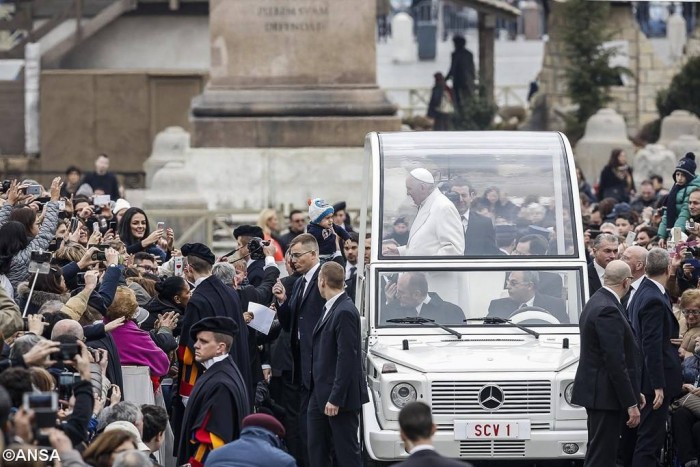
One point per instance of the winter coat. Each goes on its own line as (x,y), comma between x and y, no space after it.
(257,447)
(682,197)
(20,262)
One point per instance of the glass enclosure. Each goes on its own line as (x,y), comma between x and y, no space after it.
(472,194)
(536,296)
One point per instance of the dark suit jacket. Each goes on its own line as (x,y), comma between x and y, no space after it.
(256,272)
(505,307)
(480,238)
(654,325)
(299,316)
(593,280)
(437,309)
(608,374)
(336,371)
(351,286)
(431,458)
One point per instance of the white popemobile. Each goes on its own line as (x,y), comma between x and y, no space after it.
(488,339)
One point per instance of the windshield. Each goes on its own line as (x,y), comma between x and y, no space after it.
(473,194)
(534,296)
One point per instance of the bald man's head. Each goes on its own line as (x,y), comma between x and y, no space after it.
(67,327)
(636,258)
(616,272)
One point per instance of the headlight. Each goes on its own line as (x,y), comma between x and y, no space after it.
(567,394)
(402,394)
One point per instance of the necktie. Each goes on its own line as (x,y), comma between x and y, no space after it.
(325,312)
(302,289)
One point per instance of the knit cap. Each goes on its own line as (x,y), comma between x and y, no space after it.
(318,209)
(686,165)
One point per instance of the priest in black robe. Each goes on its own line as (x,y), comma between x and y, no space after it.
(219,400)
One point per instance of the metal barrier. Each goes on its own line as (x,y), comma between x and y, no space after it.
(414,101)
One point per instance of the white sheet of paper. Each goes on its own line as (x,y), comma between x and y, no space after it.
(262,317)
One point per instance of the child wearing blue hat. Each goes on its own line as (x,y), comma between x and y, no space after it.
(323,229)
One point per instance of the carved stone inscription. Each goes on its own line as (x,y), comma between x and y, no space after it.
(292,42)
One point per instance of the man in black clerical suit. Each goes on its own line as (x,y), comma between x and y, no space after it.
(409,297)
(523,292)
(255,267)
(607,381)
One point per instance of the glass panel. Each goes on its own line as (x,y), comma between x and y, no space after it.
(533,296)
(472,194)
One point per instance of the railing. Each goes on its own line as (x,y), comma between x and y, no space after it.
(414,101)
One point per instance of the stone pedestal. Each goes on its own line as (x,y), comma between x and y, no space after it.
(291,74)
(402,43)
(654,159)
(685,144)
(169,145)
(679,123)
(605,131)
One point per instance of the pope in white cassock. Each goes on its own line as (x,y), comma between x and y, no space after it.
(437,228)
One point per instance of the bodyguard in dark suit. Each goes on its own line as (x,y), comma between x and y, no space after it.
(338,388)
(522,290)
(299,315)
(350,249)
(655,325)
(409,297)
(604,251)
(607,378)
(417,430)
(479,233)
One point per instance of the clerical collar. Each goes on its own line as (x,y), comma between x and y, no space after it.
(213,360)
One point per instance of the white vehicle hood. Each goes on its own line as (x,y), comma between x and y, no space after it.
(437,356)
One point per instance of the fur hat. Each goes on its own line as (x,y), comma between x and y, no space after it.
(687,166)
(318,209)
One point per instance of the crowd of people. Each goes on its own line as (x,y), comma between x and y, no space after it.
(90,288)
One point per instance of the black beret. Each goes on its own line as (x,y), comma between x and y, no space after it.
(198,250)
(248,231)
(340,206)
(218,324)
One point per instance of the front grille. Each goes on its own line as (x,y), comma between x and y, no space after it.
(520,397)
(491,448)
(534,426)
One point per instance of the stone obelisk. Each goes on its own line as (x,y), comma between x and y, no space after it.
(291,73)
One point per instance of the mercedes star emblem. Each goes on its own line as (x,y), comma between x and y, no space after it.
(491,397)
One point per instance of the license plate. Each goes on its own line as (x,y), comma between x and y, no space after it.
(492,429)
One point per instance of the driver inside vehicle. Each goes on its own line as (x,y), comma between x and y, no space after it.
(409,297)
(523,296)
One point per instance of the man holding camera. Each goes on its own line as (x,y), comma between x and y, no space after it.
(252,253)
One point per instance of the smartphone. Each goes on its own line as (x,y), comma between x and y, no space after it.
(61,205)
(40,400)
(34,190)
(95,226)
(113,226)
(629,240)
(74,224)
(179,266)
(690,225)
(80,278)
(161,225)
(102,200)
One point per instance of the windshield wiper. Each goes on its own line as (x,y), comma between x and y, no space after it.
(419,320)
(497,320)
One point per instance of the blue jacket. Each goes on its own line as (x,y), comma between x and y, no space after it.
(257,447)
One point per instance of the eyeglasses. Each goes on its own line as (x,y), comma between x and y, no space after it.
(691,312)
(299,255)
(514,283)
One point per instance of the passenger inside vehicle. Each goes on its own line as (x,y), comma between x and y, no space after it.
(524,296)
(409,297)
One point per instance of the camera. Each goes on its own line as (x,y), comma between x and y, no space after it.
(80,278)
(6,184)
(66,352)
(66,381)
(55,244)
(99,256)
(255,248)
(34,190)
